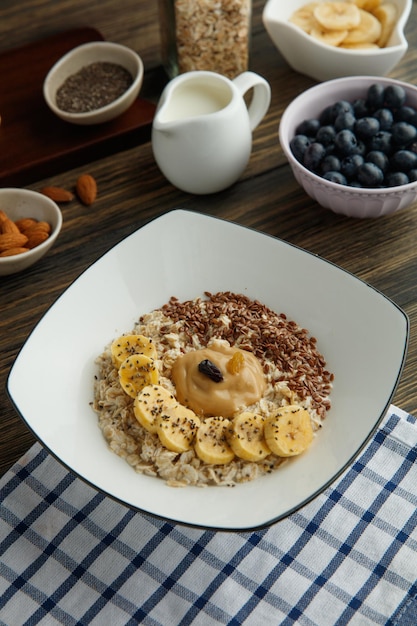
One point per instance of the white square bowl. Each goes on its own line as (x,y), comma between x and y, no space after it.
(362,334)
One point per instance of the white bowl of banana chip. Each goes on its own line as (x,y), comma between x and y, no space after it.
(331,39)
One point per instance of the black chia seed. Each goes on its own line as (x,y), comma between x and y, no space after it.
(92,87)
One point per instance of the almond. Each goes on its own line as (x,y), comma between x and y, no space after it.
(58,194)
(86,188)
(13,251)
(45,226)
(36,237)
(25,224)
(3,217)
(8,226)
(12,240)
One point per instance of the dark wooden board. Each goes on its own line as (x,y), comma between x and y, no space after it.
(34,143)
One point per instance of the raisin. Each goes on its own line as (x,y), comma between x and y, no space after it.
(208,368)
(235,364)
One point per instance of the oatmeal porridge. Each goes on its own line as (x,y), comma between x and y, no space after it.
(217,390)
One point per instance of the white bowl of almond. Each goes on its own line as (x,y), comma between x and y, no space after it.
(331,39)
(29,226)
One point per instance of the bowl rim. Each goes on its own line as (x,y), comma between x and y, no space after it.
(30,193)
(78,50)
(319,180)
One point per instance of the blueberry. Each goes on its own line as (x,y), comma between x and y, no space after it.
(313,156)
(413,146)
(360,148)
(385,118)
(412,176)
(344,120)
(346,142)
(326,116)
(308,127)
(406,114)
(404,160)
(366,127)
(335,177)
(403,133)
(369,175)
(394,96)
(330,163)
(341,106)
(395,179)
(330,149)
(375,97)
(326,135)
(350,164)
(381,141)
(378,158)
(360,108)
(298,145)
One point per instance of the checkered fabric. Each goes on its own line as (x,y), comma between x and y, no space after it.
(69,555)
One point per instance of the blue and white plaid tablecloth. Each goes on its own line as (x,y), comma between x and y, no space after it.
(69,555)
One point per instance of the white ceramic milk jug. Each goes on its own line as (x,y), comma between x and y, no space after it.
(202,129)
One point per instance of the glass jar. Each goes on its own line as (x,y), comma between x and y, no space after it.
(209,35)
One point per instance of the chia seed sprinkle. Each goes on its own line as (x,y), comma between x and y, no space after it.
(93,87)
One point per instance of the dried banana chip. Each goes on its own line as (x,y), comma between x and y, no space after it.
(359,46)
(304,17)
(349,24)
(386,13)
(366,5)
(368,31)
(329,37)
(337,15)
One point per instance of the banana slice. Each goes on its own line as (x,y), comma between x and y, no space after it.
(289,431)
(136,372)
(359,46)
(177,427)
(246,437)
(329,37)
(304,17)
(337,15)
(151,402)
(368,31)
(211,443)
(126,345)
(366,5)
(386,13)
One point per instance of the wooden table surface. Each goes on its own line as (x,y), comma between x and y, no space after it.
(132,190)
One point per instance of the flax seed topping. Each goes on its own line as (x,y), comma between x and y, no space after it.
(250,325)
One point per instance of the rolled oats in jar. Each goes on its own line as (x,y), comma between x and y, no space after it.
(209,35)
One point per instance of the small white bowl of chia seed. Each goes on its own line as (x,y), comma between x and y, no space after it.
(94,83)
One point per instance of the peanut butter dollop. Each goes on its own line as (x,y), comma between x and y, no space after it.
(206,397)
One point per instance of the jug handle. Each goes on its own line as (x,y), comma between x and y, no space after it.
(261,98)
